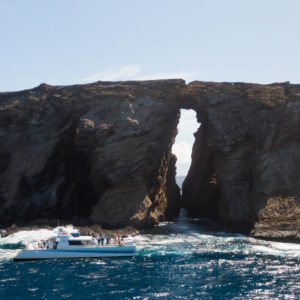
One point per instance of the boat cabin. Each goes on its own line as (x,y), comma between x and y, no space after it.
(69,237)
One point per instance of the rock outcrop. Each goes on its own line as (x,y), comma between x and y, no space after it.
(245,160)
(102,153)
(99,152)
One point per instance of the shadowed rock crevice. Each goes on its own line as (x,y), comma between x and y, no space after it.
(201,189)
(173,191)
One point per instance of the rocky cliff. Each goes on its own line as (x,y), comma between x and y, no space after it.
(246,157)
(99,152)
(102,153)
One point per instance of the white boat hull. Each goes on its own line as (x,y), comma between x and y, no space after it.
(93,252)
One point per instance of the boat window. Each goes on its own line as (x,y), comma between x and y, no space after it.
(75,234)
(75,242)
(90,242)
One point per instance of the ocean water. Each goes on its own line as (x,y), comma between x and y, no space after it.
(179,260)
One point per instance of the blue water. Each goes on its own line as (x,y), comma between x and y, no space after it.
(181,260)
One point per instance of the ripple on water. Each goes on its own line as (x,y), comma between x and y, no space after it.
(183,260)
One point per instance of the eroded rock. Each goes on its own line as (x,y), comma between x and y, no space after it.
(246,153)
(99,152)
(102,153)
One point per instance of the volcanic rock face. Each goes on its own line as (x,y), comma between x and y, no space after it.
(100,152)
(245,161)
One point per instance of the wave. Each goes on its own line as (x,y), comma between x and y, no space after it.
(12,244)
(184,237)
(188,238)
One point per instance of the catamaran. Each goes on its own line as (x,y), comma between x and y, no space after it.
(68,243)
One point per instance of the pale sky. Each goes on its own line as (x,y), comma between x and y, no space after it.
(76,41)
(184,140)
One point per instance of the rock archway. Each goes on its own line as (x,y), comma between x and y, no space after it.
(101,152)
